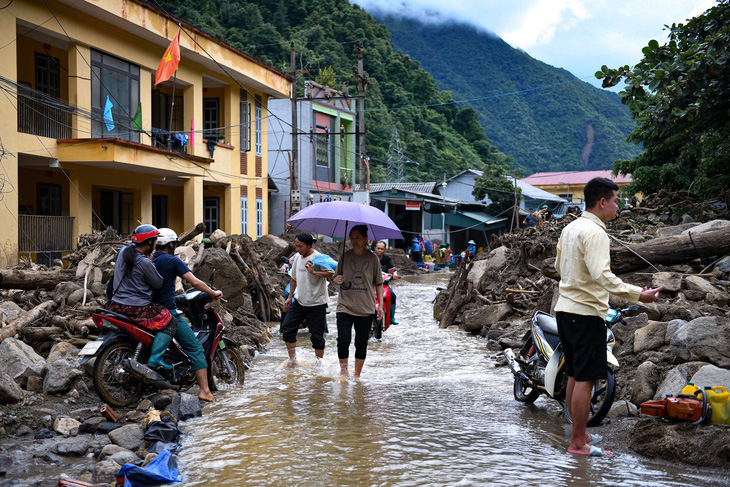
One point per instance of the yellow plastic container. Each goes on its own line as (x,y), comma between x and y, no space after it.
(719,399)
(690,389)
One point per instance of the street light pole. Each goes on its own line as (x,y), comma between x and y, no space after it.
(443,213)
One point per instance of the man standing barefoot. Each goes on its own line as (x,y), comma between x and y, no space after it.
(584,264)
(311,302)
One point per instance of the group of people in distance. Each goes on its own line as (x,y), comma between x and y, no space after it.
(359,276)
(540,218)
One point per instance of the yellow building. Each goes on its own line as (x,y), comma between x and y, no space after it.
(67,167)
(569,184)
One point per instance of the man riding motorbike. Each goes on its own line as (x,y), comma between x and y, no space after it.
(170,268)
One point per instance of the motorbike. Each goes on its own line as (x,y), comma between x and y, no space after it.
(381,325)
(539,366)
(122,349)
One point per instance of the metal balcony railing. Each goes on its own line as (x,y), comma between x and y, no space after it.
(39,234)
(45,117)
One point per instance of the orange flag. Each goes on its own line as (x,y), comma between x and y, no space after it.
(169,62)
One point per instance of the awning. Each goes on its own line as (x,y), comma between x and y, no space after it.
(476,220)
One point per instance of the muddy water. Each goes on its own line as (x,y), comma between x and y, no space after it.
(430,409)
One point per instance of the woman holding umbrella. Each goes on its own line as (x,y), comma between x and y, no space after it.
(360,279)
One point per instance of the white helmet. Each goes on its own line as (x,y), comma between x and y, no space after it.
(166,236)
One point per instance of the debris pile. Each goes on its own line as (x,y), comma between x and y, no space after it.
(671,240)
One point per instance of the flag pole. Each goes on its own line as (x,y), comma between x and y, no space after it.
(172,110)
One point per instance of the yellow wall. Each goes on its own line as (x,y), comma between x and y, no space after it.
(31,177)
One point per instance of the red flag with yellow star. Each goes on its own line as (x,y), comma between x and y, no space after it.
(169,62)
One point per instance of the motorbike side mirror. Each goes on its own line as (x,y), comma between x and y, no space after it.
(632,308)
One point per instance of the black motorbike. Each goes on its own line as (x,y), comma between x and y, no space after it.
(120,375)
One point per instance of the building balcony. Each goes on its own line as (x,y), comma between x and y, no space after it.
(44,116)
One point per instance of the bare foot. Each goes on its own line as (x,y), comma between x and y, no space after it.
(343,371)
(291,363)
(206,396)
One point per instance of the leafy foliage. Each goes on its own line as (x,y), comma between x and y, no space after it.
(439,136)
(543,129)
(679,95)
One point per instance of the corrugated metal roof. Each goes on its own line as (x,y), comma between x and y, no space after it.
(414,187)
(572,177)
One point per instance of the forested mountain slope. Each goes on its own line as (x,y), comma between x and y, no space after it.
(544,129)
(442,138)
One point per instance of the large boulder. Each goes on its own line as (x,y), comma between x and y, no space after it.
(9,311)
(706,339)
(697,283)
(677,378)
(228,277)
(476,273)
(273,248)
(61,375)
(650,337)
(130,436)
(646,380)
(62,350)
(20,361)
(709,375)
(708,226)
(77,297)
(670,281)
(63,290)
(673,230)
(10,392)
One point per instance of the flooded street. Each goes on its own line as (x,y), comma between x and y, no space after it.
(430,409)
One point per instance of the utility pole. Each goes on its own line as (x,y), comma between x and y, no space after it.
(361,82)
(294,195)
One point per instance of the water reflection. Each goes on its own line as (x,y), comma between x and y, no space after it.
(430,409)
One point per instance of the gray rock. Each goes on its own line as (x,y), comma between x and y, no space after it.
(107,427)
(217,235)
(650,337)
(10,391)
(645,383)
(34,384)
(186,253)
(497,259)
(110,450)
(23,430)
(653,310)
(708,226)
(61,376)
(91,425)
(723,264)
(20,361)
(676,379)
(62,350)
(669,280)
(709,375)
(484,317)
(105,472)
(126,456)
(672,328)
(130,436)
(477,272)
(43,434)
(189,406)
(622,408)
(706,339)
(63,290)
(72,447)
(625,332)
(698,283)
(9,311)
(670,231)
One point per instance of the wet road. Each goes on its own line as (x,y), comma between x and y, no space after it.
(429,409)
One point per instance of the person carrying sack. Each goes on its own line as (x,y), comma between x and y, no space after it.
(135,279)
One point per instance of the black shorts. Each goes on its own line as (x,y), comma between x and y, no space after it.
(584,343)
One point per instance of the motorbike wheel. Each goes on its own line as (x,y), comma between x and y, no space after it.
(113,383)
(228,369)
(604,392)
(523,392)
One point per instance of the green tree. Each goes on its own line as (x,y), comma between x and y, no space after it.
(679,95)
(497,184)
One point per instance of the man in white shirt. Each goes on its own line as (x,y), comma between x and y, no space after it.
(310,284)
(584,264)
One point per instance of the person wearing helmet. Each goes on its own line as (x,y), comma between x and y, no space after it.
(135,279)
(471,250)
(170,268)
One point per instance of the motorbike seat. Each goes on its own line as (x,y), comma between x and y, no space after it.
(548,323)
(116,316)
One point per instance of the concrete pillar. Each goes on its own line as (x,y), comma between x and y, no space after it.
(145,203)
(79,201)
(231,218)
(79,88)
(193,202)
(193,112)
(9,162)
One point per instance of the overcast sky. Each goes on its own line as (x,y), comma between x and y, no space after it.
(578,35)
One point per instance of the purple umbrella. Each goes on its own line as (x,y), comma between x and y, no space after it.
(336,218)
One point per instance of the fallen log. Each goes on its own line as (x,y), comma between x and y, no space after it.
(456,298)
(29,280)
(27,319)
(191,234)
(41,333)
(79,327)
(676,249)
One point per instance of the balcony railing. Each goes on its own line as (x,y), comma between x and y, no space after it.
(44,116)
(38,234)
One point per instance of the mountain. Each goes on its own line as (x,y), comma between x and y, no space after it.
(542,116)
(440,136)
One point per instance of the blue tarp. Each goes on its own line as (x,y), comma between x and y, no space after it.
(162,470)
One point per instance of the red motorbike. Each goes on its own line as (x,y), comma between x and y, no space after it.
(120,375)
(380,325)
